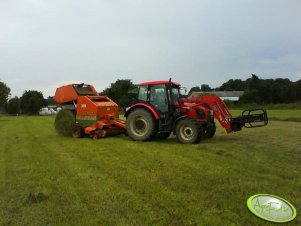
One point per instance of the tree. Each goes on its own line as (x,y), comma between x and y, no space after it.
(233,85)
(195,89)
(118,92)
(253,82)
(297,86)
(13,106)
(205,88)
(4,94)
(50,100)
(249,96)
(257,91)
(32,101)
(279,92)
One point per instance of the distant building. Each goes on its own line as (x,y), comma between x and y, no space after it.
(224,95)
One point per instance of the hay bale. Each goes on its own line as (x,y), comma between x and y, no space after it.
(64,121)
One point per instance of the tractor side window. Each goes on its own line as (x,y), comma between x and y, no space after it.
(142,95)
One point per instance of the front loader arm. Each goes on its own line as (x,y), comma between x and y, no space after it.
(250,118)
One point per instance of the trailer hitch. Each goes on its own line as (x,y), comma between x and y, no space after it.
(249,119)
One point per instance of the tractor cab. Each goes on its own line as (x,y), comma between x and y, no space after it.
(158,112)
(161,95)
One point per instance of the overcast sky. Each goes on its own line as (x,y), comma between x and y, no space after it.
(48,43)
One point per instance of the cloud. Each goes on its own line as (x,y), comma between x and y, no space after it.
(45,43)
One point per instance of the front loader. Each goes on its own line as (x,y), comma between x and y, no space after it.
(249,118)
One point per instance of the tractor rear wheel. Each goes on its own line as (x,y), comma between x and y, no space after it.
(64,122)
(140,125)
(188,131)
(77,131)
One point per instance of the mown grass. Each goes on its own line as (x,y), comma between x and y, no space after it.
(51,180)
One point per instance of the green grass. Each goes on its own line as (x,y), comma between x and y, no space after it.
(51,180)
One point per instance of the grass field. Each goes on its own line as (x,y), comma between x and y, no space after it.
(50,180)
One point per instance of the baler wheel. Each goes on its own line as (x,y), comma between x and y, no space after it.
(64,122)
(94,135)
(77,131)
(188,131)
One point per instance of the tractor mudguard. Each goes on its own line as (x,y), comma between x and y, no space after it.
(143,105)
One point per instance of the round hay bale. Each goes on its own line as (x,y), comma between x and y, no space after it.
(64,121)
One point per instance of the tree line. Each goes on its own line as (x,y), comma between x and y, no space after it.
(29,103)
(256,90)
(260,91)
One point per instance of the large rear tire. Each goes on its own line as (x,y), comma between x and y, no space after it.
(64,122)
(188,131)
(140,125)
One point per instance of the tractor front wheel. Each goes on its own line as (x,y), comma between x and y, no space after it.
(188,131)
(140,125)
(210,131)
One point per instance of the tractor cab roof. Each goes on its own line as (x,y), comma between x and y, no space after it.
(159,82)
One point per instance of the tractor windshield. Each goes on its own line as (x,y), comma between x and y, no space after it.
(142,93)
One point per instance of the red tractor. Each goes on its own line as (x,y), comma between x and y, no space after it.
(159,111)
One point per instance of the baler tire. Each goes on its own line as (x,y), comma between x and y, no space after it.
(188,131)
(140,125)
(77,131)
(64,122)
(210,131)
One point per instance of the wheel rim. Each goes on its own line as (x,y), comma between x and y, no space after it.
(140,126)
(186,132)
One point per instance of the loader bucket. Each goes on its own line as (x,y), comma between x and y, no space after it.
(255,118)
(249,119)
